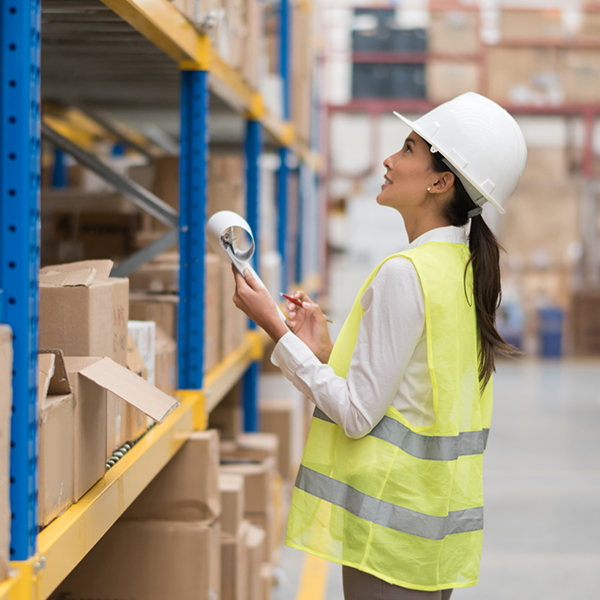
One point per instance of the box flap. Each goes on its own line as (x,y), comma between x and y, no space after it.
(135,363)
(82,277)
(102,268)
(45,372)
(131,388)
(59,381)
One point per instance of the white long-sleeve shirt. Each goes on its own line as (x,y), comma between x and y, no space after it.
(389,362)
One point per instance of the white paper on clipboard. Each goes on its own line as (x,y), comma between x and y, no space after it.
(219,231)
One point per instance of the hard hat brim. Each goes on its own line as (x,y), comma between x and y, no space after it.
(415,127)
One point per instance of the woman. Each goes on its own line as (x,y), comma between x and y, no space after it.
(390,484)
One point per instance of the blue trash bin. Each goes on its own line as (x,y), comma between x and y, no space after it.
(550,331)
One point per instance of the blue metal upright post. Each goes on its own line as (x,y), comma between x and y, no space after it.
(282,214)
(282,173)
(60,172)
(300,229)
(284,55)
(192,221)
(252,148)
(19,250)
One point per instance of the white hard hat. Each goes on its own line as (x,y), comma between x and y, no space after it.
(480,142)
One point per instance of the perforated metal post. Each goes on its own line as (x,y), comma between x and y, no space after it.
(19,250)
(282,215)
(252,149)
(301,231)
(192,244)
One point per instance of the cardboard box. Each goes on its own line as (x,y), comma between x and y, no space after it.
(226,167)
(56,438)
(234,565)
(234,323)
(255,542)
(166,362)
(454,32)
(6,363)
(258,445)
(135,362)
(212,312)
(277,417)
(117,423)
(553,206)
(446,80)
(166,179)
(89,423)
(266,521)
(158,278)
(162,559)
(515,24)
(160,308)
(143,334)
(525,76)
(227,415)
(258,478)
(231,489)
(580,72)
(187,489)
(84,311)
(131,388)
(226,195)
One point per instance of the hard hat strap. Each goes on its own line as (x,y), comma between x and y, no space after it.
(475,212)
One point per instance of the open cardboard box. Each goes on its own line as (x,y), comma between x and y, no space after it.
(56,437)
(75,443)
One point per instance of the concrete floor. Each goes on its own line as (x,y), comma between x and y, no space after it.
(541,482)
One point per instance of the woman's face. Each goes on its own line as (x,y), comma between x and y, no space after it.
(408,175)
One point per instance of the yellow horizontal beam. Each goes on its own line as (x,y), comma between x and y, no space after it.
(226,374)
(67,540)
(165,26)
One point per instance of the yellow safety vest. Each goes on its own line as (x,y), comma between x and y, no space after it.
(405,503)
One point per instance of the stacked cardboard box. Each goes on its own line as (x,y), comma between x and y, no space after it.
(160,308)
(531,24)
(254,457)
(166,362)
(171,532)
(525,76)
(84,312)
(234,533)
(277,418)
(227,415)
(72,396)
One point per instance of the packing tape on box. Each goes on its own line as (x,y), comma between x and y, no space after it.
(220,234)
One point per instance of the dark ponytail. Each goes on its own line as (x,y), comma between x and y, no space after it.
(485,258)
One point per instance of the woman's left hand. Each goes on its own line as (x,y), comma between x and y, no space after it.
(254,300)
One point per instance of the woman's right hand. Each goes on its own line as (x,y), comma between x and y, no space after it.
(310,325)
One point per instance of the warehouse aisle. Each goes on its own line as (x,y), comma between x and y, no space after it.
(542,480)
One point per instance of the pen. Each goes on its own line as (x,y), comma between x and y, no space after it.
(298,303)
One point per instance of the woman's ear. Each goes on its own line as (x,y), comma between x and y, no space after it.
(444,183)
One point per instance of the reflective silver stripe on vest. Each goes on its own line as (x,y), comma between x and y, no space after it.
(385,513)
(425,446)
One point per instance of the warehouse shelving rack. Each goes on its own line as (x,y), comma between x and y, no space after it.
(41,561)
(375,107)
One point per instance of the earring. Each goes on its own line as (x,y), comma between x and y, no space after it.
(429,189)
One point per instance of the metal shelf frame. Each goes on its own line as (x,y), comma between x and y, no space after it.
(41,561)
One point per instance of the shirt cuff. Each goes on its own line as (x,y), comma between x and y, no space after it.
(290,353)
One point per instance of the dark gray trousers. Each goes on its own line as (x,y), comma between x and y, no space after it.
(364,586)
